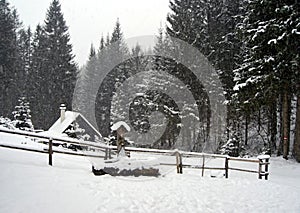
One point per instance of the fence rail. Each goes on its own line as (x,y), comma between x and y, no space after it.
(108,150)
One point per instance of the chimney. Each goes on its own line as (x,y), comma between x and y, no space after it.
(62,112)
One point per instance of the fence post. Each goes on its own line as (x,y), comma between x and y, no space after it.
(50,151)
(259,169)
(179,162)
(267,169)
(203,163)
(226,167)
(263,160)
(106,154)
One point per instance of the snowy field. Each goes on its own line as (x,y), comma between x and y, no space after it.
(28,184)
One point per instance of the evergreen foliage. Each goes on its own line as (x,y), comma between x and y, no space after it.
(188,22)
(22,117)
(54,67)
(253,45)
(264,80)
(92,52)
(24,59)
(9,72)
(6,123)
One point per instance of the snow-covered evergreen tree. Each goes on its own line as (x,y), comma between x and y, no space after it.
(159,44)
(22,117)
(9,72)
(271,32)
(6,123)
(118,49)
(115,52)
(37,84)
(188,22)
(53,66)
(62,70)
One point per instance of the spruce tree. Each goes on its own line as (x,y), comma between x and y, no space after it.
(37,92)
(271,59)
(192,22)
(159,44)
(9,73)
(107,41)
(92,52)
(224,53)
(188,22)
(119,48)
(24,59)
(102,44)
(22,117)
(57,67)
(115,52)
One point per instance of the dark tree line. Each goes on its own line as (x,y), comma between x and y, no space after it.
(254,46)
(38,65)
(112,105)
(9,70)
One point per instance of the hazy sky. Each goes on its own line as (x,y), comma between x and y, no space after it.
(89,19)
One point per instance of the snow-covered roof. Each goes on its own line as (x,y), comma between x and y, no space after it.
(60,127)
(119,124)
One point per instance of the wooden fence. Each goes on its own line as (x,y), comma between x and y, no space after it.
(107,151)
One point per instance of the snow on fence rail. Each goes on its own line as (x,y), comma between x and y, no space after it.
(108,150)
(50,140)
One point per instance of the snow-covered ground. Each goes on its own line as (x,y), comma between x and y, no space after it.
(28,184)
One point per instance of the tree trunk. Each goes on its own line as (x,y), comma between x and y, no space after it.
(296,148)
(280,146)
(246,129)
(273,126)
(259,121)
(285,124)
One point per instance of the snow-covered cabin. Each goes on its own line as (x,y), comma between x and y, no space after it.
(75,125)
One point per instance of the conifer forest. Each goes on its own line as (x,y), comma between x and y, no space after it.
(253,45)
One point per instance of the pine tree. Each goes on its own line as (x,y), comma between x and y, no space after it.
(92,52)
(22,117)
(159,44)
(102,44)
(161,48)
(56,65)
(9,73)
(191,21)
(116,51)
(137,51)
(37,92)
(24,61)
(107,42)
(271,59)
(224,47)
(188,22)
(119,48)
